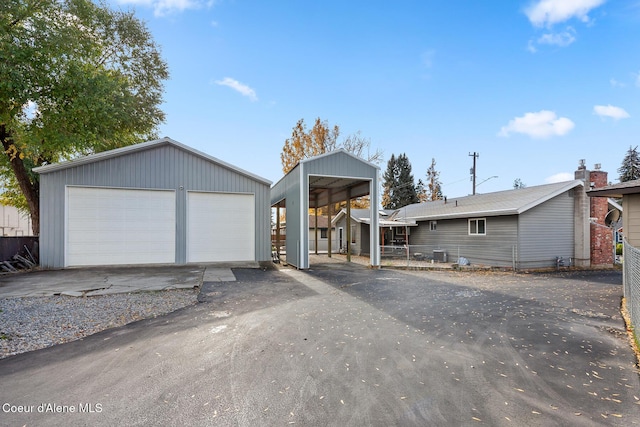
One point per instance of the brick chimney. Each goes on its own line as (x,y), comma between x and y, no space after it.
(601,235)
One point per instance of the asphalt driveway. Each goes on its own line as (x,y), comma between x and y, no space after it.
(344,345)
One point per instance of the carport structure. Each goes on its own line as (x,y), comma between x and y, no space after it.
(323,181)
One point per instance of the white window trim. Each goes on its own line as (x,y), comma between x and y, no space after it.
(476,220)
(433,225)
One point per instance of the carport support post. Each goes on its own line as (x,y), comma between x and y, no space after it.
(278,230)
(329,225)
(349,224)
(316,222)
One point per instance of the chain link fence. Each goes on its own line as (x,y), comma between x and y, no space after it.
(631,281)
(501,256)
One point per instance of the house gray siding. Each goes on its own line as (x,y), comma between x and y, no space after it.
(166,167)
(546,232)
(361,246)
(452,235)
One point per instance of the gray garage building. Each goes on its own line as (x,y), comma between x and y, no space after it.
(158,202)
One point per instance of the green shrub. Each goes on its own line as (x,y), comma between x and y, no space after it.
(619,249)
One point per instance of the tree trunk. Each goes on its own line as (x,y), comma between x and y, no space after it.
(31,190)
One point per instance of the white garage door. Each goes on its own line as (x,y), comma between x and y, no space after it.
(220,227)
(108,226)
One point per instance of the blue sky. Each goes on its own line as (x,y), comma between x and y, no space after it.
(532,86)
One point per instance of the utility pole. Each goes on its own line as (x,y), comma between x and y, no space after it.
(473,170)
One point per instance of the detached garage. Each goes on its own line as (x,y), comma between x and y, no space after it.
(159,202)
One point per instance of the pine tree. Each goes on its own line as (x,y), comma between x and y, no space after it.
(406,188)
(630,169)
(389,183)
(421,191)
(517,183)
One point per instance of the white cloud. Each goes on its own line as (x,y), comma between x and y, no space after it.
(616,83)
(559,177)
(166,7)
(542,124)
(243,89)
(615,113)
(549,12)
(564,38)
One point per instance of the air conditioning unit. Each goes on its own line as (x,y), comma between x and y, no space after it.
(439,255)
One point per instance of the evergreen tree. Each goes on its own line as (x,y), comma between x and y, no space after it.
(517,183)
(421,191)
(399,188)
(389,183)
(630,169)
(406,189)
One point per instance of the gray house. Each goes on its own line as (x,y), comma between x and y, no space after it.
(159,202)
(522,228)
(322,181)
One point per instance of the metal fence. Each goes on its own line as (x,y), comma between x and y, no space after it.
(631,281)
(502,256)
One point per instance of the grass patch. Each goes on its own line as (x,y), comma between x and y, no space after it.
(633,337)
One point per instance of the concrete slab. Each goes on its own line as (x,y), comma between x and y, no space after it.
(103,280)
(218,274)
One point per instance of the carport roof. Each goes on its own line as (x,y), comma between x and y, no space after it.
(141,147)
(319,185)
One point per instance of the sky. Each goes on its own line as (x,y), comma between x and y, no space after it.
(532,87)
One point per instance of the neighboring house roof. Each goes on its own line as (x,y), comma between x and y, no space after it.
(323,221)
(508,202)
(617,190)
(140,147)
(363,216)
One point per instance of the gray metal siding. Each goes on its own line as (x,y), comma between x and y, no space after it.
(161,167)
(495,248)
(288,188)
(545,232)
(340,164)
(294,186)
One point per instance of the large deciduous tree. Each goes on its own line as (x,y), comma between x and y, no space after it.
(75,78)
(630,168)
(320,139)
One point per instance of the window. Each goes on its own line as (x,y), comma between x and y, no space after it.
(323,233)
(478,226)
(399,231)
(353,233)
(433,225)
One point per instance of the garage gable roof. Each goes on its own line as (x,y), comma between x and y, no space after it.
(508,202)
(141,147)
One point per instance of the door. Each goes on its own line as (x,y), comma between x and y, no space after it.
(115,226)
(220,227)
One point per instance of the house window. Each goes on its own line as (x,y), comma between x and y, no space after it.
(353,233)
(478,226)
(399,231)
(433,225)
(323,233)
